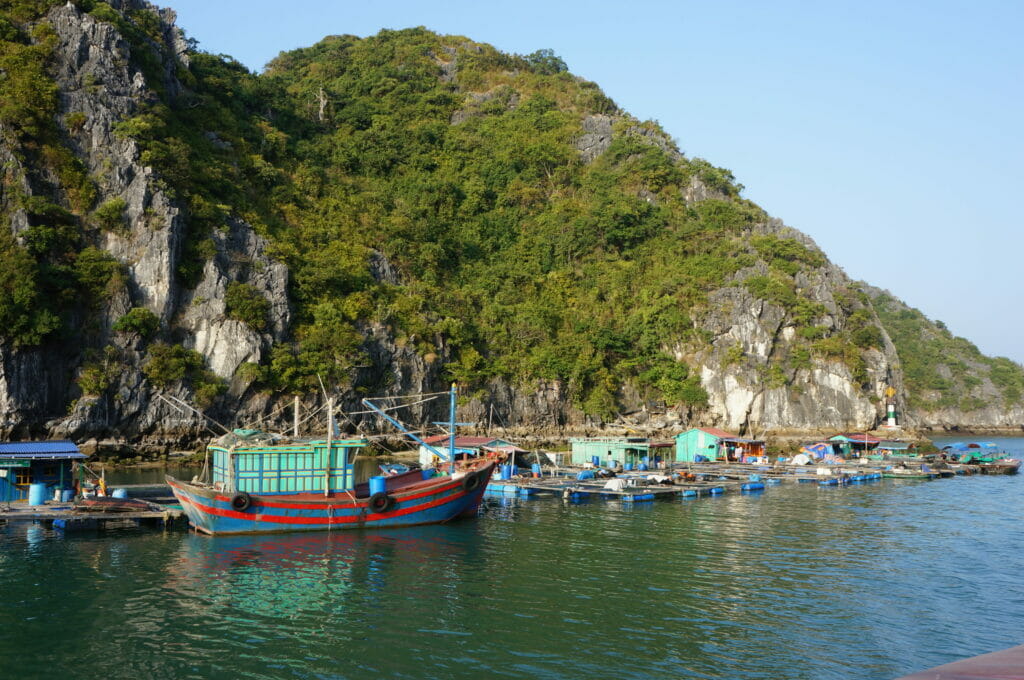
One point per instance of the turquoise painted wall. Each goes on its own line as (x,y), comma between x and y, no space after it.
(619,450)
(46,471)
(693,442)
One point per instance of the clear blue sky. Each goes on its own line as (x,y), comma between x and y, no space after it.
(890,132)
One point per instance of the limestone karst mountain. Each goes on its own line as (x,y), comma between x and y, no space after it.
(391,213)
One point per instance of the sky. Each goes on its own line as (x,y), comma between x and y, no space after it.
(890,132)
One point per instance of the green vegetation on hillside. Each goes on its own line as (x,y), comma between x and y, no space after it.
(942,370)
(452,160)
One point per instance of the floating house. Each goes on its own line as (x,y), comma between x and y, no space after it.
(621,450)
(36,468)
(466,447)
(854,444)
(894,448)
(715,444)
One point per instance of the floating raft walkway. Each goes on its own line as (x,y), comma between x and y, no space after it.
(635,488)
(64,516)
(698,480)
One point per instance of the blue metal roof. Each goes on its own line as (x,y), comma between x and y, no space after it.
(51,449)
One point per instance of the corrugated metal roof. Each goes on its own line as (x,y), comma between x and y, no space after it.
(894,445)
(716,432)
(49,449)
(858,437)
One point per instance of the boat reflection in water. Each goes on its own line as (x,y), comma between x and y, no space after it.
(290,575)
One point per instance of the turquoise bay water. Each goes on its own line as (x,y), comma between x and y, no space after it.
(866,582)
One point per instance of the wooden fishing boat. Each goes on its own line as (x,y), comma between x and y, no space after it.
(264,483)
(986,456)
(1000,466)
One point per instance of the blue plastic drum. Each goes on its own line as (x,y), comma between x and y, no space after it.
(37,494)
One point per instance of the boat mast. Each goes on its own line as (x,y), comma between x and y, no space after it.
(330,450)
(451,428)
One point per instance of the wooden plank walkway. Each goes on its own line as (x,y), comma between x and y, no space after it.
(636,489)
(64,515)
(691,480)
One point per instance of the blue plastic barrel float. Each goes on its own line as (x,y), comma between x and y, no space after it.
(428,473)
(690,493)
(642,467)
(595,461)
(752,486)
(37,494)
(627,467)
(67,495)
(716,490)
(123,493)
(378,484)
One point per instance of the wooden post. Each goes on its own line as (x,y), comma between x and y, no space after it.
(330,445)
(295,418)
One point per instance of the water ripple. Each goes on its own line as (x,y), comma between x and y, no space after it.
(799,582)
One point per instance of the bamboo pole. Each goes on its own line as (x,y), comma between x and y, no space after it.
(330,447)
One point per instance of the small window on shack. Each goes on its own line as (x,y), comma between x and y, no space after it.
(24,476)
(50,470)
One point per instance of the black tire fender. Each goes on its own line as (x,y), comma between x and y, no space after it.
(241,501)
(381,502)
(470,482)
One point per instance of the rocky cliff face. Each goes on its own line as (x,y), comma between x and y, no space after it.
(751,359)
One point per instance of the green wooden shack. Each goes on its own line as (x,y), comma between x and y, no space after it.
(621,450)
(854,444)
(715,444)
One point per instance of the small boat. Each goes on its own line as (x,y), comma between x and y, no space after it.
(111,504)
(986,456)
(902,471)
(263,483)
(1000,466)
(392,469)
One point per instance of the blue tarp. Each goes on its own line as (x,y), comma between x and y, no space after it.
(818,450)
(969,446)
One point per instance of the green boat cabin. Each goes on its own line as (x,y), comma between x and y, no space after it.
(267,464)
